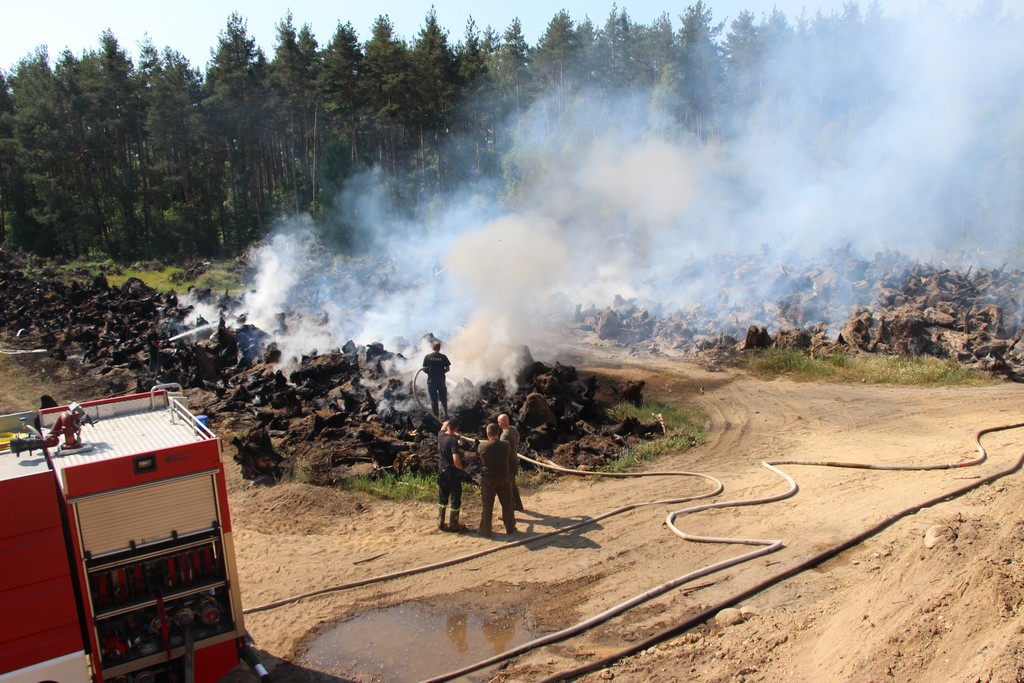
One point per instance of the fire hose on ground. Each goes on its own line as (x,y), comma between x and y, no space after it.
(416,395)
(763,547)
(767,546)
(718,488)
(811,562)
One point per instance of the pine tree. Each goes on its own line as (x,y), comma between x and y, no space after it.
(433,73)
(701,69)
(513,73)
(555,59)
(294,74)
(8,169)
(477,102)
(44,215)
(385,81)
(236,92)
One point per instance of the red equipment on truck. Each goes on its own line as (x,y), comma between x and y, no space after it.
(118,559)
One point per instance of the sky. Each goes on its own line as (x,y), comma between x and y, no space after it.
(192,28)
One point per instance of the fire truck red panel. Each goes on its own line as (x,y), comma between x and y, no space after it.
(29,500)
(37,601)
(82,479)
(34,558)
(38,627)
(141,510)
(213,663)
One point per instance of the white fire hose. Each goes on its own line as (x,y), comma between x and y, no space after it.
(763,547)
(718,488)
(815,560)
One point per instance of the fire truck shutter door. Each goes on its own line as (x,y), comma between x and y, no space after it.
(146,515)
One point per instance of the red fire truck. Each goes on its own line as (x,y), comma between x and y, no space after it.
(116,557)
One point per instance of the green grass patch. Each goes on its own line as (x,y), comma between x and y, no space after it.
(862,368)
(684,427)
(407,486)
(218,276)
(79,270)
(165,279)
(648,450)
(675,417)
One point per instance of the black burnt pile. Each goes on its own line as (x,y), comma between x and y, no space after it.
(355,411)
(888,305)
(329,416)
(104,328)
(101,326)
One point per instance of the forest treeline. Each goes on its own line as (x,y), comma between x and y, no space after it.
(162,159)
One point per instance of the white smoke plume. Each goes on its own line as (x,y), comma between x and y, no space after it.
(619,205)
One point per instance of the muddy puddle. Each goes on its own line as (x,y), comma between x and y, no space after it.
(412,642)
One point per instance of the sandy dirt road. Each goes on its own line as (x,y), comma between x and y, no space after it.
(888,609)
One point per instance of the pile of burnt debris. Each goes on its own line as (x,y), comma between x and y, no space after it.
(356,410)
(331,415)
(351,411)
(888,305)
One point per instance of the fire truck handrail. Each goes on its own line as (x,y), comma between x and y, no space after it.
(158,387)
(179,410)
(175,406)
(200,427)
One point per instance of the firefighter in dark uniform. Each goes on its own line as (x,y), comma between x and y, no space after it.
(494,470)
(511,434)
(436,365)
(449,475)
(153,349)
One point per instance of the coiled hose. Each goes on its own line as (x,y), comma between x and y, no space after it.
(811,562)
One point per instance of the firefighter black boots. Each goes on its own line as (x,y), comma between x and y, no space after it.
(440,518)
(454,524)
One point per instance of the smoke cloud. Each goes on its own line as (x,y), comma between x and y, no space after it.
(611,201)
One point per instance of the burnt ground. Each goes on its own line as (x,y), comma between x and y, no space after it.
(325,417)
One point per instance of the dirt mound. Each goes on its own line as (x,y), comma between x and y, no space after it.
(292,508)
